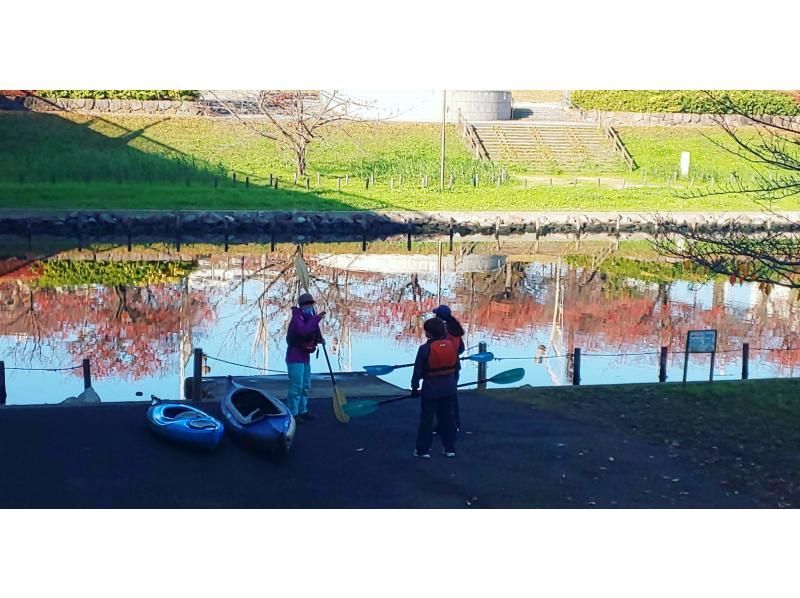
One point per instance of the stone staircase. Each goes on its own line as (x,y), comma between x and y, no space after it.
(550,147)
(549,137)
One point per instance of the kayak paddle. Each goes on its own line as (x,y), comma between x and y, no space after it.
(380,370)
(367,406)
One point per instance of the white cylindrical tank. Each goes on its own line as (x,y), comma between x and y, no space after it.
(426,105)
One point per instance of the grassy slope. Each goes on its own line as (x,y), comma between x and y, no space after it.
(143,162)
(745,434)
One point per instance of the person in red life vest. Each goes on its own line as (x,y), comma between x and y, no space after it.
(435,365)
(455,332)
(302,339)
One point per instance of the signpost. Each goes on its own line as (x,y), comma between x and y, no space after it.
(700,341)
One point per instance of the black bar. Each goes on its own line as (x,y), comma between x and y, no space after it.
(197,375)
(482,368)
(87,374)
(451,238)
(3,394)
(576,367)
(364,242)
(234,179)
(711,369)
(662,365)
(247,182)
(745,361)
(408,241)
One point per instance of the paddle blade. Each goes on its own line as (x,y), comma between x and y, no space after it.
(361,408)
(378,370)
(339,403)
(484,357)
(508,377)
(302,272)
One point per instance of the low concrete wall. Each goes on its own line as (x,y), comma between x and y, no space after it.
(673,119)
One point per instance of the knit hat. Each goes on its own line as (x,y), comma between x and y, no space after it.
(443,312)
(305,298)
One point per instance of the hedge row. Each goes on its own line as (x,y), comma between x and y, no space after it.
(691,101)
(121,94)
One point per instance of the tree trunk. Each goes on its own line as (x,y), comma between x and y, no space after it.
(300,159)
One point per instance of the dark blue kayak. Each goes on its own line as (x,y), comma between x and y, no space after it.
(184,424)
(257,419)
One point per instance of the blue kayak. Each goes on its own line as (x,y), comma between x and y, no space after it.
(258,419)
(184,424)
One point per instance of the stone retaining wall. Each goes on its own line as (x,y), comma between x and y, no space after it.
(670,119)
(91,106)
(301,226)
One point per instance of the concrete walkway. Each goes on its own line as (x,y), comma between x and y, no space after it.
(510,456)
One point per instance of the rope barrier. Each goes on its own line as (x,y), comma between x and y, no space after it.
(617,354)
(74,367)
(242,365)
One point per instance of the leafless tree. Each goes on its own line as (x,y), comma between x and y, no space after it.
(769,147)
(295,119)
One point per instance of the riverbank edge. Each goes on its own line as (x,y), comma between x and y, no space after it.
(377,223)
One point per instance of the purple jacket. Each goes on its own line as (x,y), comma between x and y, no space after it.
(301,326)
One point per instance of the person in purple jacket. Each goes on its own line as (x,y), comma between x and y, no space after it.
(302,339)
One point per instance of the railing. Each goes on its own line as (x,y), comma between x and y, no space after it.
(619,146)
(85,366)
(470,137)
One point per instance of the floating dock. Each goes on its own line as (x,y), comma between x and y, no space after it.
(352,384)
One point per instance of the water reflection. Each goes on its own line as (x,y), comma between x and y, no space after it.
(139,333)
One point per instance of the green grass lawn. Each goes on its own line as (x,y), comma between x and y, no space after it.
(745,434)
(73,161)
(505,198)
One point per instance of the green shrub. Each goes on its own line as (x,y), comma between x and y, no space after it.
(692,101)
(65,273)
(121,94)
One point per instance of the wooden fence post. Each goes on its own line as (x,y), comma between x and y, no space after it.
(482,369)
(87,374)
(197,375)
(745,361)
(3,394)
(662,365)
(576,367)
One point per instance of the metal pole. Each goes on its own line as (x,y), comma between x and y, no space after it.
(3,394)
(444,122)
(745,361)
(576,367)
(87,374)
(197,375)
(711,369)
(439,293)
(662,365)
(482,369)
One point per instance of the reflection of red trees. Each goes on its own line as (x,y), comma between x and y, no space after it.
(126,332)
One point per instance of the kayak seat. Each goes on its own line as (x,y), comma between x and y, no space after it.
(252,405)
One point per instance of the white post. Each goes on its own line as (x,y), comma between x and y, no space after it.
(685,164)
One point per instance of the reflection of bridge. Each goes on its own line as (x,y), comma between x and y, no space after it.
(412,264)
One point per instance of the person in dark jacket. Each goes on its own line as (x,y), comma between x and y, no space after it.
(455,332)
(435,365)
(302,339)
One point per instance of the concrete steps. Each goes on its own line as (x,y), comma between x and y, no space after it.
(549,145)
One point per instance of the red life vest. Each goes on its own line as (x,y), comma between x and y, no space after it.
(443,357)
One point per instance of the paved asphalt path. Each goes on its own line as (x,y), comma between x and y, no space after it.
(510,456)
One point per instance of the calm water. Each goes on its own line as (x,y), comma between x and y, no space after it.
(529,309)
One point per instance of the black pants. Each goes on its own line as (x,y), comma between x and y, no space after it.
(443,410)
(456,414)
